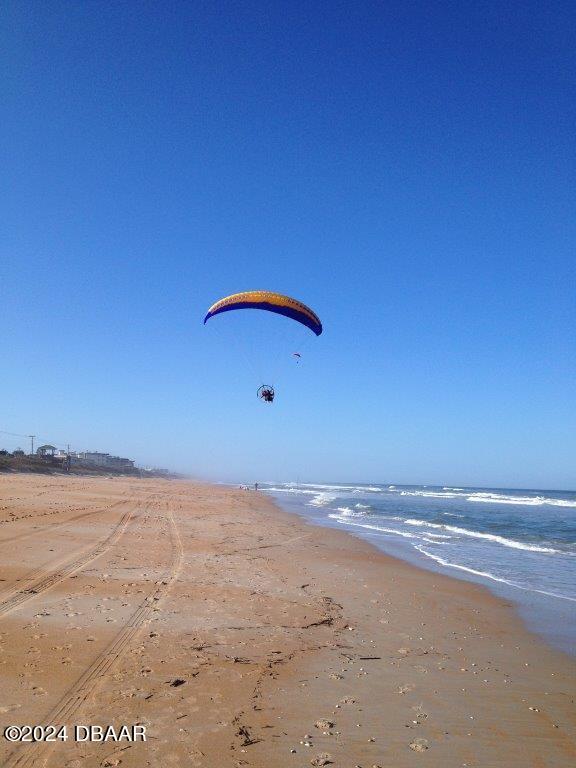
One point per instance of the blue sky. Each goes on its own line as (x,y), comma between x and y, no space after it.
(407,169)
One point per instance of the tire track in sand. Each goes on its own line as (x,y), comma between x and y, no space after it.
(30,754)
(41,579)
(54,526)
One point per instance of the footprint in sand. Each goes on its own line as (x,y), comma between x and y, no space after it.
(418,745)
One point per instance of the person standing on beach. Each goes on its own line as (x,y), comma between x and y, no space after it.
(255,486)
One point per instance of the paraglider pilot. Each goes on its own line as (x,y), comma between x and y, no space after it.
(266,393)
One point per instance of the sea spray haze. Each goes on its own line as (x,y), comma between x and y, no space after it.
(520,543)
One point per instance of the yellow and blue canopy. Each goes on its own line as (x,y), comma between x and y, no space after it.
(272,302)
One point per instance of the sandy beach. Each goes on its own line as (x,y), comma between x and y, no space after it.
(239,635)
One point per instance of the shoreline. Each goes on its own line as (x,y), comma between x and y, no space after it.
(550,616)
(259,633)
(528,612)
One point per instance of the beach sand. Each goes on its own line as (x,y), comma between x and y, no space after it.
(240,635)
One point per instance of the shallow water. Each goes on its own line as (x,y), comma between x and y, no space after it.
(520,543)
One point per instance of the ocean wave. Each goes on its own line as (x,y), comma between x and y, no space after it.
(488,575)
(404,534)
(291,490)
(329,487)
(489,537)
(526,501)
(341,488)
(488,497)
(432,494)
(347,512)
(321,499)
(362,506)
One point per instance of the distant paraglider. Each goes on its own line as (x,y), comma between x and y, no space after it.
(270,302)
(266,393)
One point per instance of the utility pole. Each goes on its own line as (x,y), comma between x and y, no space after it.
(32,444)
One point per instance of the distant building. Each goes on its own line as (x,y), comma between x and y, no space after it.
(101,460)
(94,457)
(46,450)
(117,462)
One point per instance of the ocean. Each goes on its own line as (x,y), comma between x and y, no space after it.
(519,543)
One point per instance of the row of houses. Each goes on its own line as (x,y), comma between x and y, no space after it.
(94,458)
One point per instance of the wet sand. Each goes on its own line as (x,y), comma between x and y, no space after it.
(239,635)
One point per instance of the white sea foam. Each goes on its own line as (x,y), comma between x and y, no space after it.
(342,488)
(488,536)
(321,499)
(432,494)
(347,512)
(362,506)
(527,501)
(329,487)
(404,534)
(291,490)
(491,498)
(488,575)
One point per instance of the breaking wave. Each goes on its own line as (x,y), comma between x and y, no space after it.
(489,537)
(487,575)
(491,498)
(371,527)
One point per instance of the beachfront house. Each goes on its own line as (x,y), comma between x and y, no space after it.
(46,450)
(95,458)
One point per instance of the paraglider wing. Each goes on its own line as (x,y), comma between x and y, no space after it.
(272,302)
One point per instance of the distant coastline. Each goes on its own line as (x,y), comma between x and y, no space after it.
(45,466)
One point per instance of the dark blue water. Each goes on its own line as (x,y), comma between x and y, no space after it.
(521,544)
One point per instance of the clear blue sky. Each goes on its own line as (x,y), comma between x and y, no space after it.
(405,168)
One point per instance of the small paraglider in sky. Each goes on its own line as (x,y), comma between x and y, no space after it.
(266,393)
(270,302)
